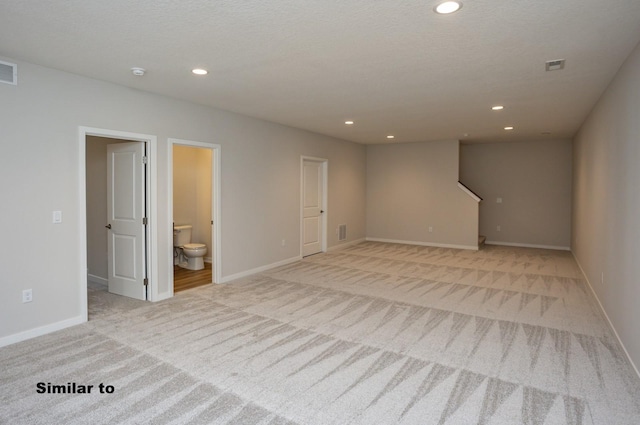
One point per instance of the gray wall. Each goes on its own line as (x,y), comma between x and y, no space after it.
(39,168)
(414,186)
(534,181)
(606,202)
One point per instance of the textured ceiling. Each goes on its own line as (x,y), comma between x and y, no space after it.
(392,66)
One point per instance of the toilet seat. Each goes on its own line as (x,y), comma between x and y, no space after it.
(194,246)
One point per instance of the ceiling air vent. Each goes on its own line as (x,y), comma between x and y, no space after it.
(555,65)
(8,73)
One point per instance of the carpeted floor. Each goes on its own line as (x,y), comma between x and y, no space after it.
(373,334)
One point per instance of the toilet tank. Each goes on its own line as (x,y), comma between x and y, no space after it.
(181,234)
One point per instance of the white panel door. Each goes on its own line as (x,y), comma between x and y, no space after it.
(312,207)
(125,213)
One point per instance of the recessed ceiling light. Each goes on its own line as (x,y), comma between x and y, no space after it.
(390,137)
(138,72)
(200,71)
(447,7)
(508,128)
(497,107)
(348,122)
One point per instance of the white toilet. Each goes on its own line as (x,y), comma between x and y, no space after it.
(190,255)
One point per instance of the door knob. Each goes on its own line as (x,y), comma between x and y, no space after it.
(108,226)
(321,211)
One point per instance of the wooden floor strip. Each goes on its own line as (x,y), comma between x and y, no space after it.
(184,279)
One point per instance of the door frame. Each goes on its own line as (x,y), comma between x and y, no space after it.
(325,200)
(151,190)
(216,210)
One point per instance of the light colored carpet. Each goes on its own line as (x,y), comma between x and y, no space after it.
(373,334)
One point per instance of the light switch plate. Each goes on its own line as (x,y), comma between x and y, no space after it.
(57,217)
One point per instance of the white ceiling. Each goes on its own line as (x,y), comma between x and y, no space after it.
(392,66)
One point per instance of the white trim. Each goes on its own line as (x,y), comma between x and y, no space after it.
(468,192)
(42,330)
(437,245)
(606,315)
(325,200)
(345,245)
(260,269)
(164,295)
(216,210)
(527,245)
(97,279)
(152,203)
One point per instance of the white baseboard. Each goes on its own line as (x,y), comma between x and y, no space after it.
(162,296)
(42,330)
(344,245)
(260,269)
(437,245)
(527,245)
(606,315)
(97,279)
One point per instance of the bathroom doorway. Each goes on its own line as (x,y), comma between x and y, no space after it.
(194,207)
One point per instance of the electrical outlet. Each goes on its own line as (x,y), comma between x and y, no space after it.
(27,296)
(498,228)
(430,229)
(284,242)
(498,200)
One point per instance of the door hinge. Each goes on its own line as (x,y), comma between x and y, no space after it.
(144,159)
(146,281)
(145,221)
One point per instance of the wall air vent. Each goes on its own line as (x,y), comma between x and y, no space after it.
(342,232)
(8,73)
(554,65)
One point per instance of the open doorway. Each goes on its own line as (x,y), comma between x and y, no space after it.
(116,215)
(194,203)
(96,259)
